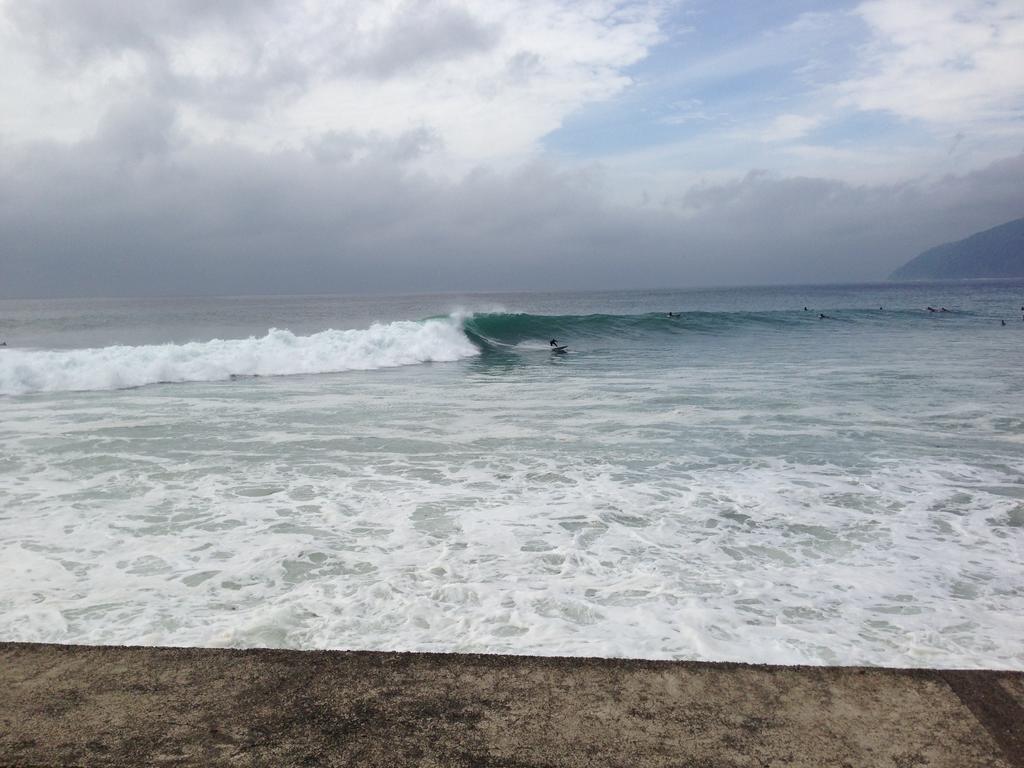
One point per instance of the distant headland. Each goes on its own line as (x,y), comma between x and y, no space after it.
(996,252)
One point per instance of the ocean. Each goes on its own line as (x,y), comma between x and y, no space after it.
(745,481)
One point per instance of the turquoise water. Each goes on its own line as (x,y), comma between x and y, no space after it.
(745,481)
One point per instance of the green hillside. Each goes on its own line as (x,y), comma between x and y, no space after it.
(996,252)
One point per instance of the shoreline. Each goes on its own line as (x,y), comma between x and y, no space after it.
(125,706)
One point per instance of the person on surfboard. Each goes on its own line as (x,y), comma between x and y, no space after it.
(553,342)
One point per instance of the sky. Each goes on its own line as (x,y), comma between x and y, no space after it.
(182,147)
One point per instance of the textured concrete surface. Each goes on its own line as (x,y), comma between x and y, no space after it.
(89,706)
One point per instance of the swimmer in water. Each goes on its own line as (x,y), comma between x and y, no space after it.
(823,316)
(932,309)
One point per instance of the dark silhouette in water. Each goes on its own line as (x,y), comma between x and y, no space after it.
(673,314)
(932,309)
(823,316)
(1003,322)
(943,310)
(553,343)
(805,308)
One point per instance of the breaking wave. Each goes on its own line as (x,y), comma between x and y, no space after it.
(279,353)
(438,339)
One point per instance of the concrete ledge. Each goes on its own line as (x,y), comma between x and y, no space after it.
(110,706)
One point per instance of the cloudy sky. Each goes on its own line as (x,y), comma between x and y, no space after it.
(347,146)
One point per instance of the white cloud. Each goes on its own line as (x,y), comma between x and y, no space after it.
(263,144)
(951,63)
(790,127)
(488,77)
(893,82)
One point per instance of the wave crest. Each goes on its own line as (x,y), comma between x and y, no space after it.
(279,353)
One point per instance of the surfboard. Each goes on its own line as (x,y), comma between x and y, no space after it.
(559,348)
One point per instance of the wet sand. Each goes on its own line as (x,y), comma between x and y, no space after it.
(112,706)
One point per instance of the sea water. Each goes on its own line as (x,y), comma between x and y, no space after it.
(746,481)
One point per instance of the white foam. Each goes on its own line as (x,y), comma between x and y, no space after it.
(278,353)
(330,517)
(740,509)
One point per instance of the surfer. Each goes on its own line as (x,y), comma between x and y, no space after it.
(1003,322)
(943,310)
(673,314)
(823,316)
(553,343)
(805,309)
(932,309)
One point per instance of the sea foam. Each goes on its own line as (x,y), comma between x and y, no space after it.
(279,353)
(751,486)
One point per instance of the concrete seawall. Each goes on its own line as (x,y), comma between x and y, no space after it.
(111,706)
